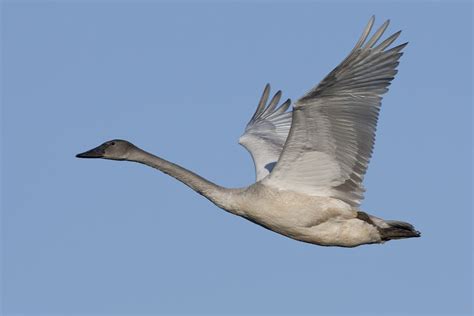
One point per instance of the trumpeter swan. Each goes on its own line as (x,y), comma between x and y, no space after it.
(309,162)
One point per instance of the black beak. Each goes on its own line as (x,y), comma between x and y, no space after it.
(97,152)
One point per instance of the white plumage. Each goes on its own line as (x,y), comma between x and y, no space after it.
(266,133)
(309,162)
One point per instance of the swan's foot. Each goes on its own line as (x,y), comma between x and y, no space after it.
(365,217)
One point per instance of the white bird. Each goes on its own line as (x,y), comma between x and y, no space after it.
(310,162)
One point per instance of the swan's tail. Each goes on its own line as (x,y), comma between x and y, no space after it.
(398,230)
(390,229)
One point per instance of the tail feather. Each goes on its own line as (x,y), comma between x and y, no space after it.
(390,229)
(399,224)
(398,230)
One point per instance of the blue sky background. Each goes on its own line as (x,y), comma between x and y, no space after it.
(181,80)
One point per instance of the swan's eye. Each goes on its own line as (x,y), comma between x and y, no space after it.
(112,143)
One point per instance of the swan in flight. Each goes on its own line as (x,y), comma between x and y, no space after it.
(309,162)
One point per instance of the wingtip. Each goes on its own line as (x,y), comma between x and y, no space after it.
(376,36)
(371,22)
(387,42)
(400,47)
(285,105)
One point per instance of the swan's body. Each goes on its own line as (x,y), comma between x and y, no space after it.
(310,162)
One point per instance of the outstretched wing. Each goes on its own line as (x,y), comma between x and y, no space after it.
(266,132)
(333,131)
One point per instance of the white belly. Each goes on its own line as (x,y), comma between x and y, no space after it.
(319,220)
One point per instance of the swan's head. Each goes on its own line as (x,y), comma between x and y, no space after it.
(116,149)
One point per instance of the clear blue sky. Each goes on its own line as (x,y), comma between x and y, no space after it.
(94,237)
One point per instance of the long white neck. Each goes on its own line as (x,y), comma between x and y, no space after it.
(223,197)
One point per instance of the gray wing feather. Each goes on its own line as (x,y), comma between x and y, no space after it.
(266,132)
(333,131)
